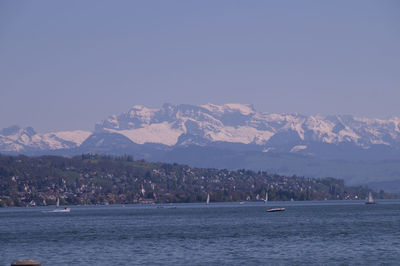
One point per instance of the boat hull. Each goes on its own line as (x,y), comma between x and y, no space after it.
(62,210)
(276,210)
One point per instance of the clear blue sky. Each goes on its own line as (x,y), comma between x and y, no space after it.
(67,64)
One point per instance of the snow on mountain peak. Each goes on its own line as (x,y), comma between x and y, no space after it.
(298,148)
(142,113)
(16,131)
(162,133)
(17,139)
(245,109)
(232,123)
(240,123)
(75,136)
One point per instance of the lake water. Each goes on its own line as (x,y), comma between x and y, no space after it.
(329,232)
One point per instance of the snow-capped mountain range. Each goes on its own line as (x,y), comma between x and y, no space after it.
(239,123)
(25,140)
(233,136)
(183,125)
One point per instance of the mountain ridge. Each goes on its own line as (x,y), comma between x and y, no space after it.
(235,131)
(237,123)
(242,124)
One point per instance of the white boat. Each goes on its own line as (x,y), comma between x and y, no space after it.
(59,209)
(62,210)
(370,199)
(276,210)
(208,199)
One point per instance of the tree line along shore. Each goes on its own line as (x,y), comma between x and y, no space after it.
(100,179)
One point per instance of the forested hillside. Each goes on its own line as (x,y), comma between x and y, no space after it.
(94,179)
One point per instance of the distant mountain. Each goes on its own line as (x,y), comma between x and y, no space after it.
(226,136)
(25,140)
(183,125)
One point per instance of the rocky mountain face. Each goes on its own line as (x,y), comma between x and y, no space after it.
(229,136)
(207,125)
(25,140)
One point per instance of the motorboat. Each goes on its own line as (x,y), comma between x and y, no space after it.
(276,210)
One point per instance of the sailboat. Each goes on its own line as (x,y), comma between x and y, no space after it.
(272,209)
(266,197)
(58,207)
(370,199)
(208,199)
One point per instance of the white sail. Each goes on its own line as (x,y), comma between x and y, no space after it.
(208,198)
(266,197)
(58,209)
(370,199)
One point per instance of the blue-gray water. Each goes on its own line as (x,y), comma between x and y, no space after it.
(338,232)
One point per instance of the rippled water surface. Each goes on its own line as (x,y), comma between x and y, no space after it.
(330,232)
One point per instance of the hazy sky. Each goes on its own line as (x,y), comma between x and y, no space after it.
(67,64)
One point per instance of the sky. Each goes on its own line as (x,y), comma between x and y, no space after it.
(65,65)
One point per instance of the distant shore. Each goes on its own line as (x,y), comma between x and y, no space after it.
(93,179)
